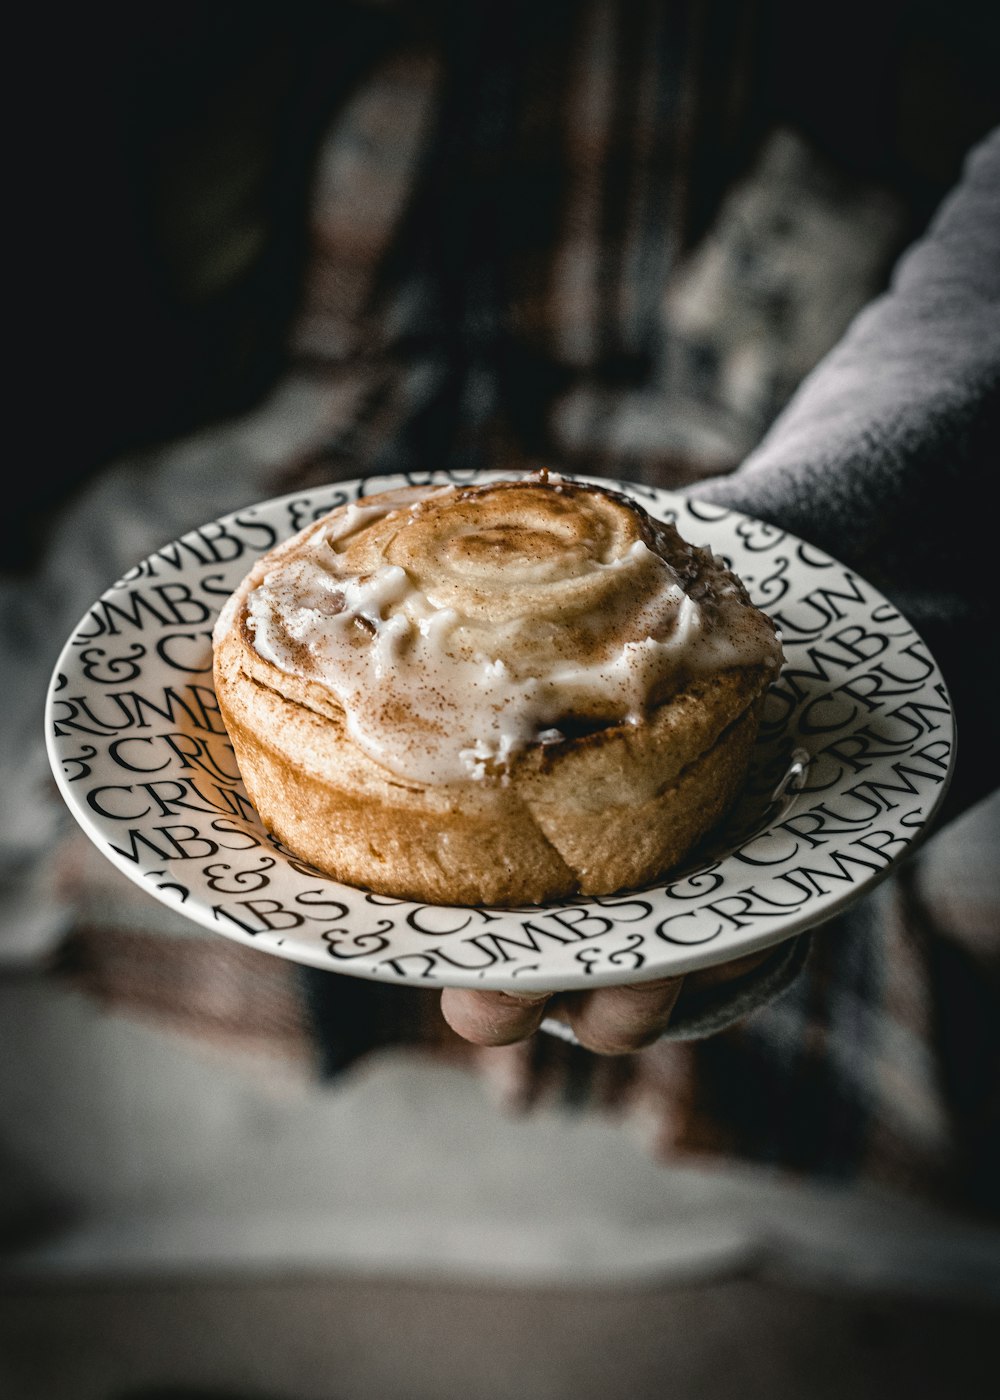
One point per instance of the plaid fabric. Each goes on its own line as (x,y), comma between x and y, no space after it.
(880,1063)
(521,250)
(590,235)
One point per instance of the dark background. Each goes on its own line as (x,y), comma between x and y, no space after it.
(162,160)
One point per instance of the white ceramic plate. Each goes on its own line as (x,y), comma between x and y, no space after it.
(855,755)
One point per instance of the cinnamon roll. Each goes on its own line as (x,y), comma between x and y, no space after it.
(503,693)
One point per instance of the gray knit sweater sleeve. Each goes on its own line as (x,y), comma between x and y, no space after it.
(888,455)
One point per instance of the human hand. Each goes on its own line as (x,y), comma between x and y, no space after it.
(607,1020)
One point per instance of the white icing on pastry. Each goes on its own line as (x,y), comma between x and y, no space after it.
(457,625)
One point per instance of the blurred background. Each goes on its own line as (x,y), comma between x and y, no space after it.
(260,248)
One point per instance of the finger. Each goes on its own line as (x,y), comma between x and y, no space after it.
(618,1020)
(492,1018)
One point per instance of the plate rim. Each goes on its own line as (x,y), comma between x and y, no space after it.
(683,957)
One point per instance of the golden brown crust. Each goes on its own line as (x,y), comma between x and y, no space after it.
(611,807)
(593,815)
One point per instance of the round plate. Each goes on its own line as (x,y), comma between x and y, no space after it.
(854,757)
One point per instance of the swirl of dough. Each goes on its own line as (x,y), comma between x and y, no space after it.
(526,572)
(456,626)
(521,552)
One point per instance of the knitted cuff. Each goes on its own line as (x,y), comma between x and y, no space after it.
(699,1014)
